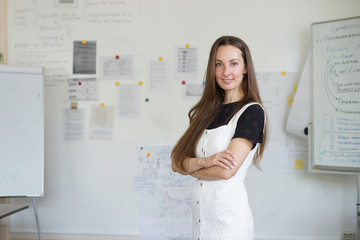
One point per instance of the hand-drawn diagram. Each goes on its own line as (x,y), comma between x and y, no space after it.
(342,86)
(82,89)
(164,197)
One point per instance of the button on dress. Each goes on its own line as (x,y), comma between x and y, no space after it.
(220,208)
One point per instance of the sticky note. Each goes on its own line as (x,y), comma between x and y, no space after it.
(187,45)
(73,105)
(160,58)
(283,73)
(140,83)
(102,104)
(290,100)
(148,154)
(84,42)
(295,86)
(299,164)
(117,83)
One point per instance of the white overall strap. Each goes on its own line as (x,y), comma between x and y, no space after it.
(238,114)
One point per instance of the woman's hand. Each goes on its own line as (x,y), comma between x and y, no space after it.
(224,159)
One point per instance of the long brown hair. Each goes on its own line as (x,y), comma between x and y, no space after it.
(204,112)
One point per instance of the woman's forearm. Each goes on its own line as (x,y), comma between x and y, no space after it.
(190,166)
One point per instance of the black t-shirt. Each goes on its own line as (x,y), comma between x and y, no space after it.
(250,124)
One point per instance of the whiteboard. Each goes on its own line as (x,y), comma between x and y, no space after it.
(22,131)
(336,82)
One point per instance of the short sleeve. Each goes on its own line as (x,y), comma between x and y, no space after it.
(250,124)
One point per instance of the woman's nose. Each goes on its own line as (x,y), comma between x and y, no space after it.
(226,71)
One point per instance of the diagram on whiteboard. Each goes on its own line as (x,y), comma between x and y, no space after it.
(341,140)
(342,86)
(336,94)
(164,197)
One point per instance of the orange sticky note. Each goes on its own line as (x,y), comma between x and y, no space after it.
(283,73)
(102,104)
(84,42)
(148,154)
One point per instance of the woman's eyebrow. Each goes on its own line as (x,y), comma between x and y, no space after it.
(234,59)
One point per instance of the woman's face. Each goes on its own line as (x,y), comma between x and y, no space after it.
(230,69)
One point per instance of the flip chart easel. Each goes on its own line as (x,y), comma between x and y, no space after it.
(335,129)
(22,133)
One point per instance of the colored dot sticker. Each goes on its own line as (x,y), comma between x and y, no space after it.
(283,73)
(187,45)
(146,99)
(140,83)
(148,154)
(84,42)
(79,83)
(183,82)
(117,83)
(102,104)
(160,58)
(117,57)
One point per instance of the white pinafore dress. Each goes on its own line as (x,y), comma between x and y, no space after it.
(220,209)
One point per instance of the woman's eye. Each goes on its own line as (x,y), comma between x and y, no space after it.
(234,63)
(217,64)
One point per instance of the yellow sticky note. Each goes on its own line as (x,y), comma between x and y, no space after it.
(84,42)
(102,104)
(187,45)
(283,73)
(290,100)
(140,83)
(160,58)
(299,164)
(117,83)
(295,86)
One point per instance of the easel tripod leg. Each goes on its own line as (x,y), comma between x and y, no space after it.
(36,218)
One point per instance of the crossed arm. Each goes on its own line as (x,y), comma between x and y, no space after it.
(222,165)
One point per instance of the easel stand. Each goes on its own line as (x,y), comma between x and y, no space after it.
(36,218)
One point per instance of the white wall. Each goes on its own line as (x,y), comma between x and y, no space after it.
(86,182)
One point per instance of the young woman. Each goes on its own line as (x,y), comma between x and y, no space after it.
(227,133)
